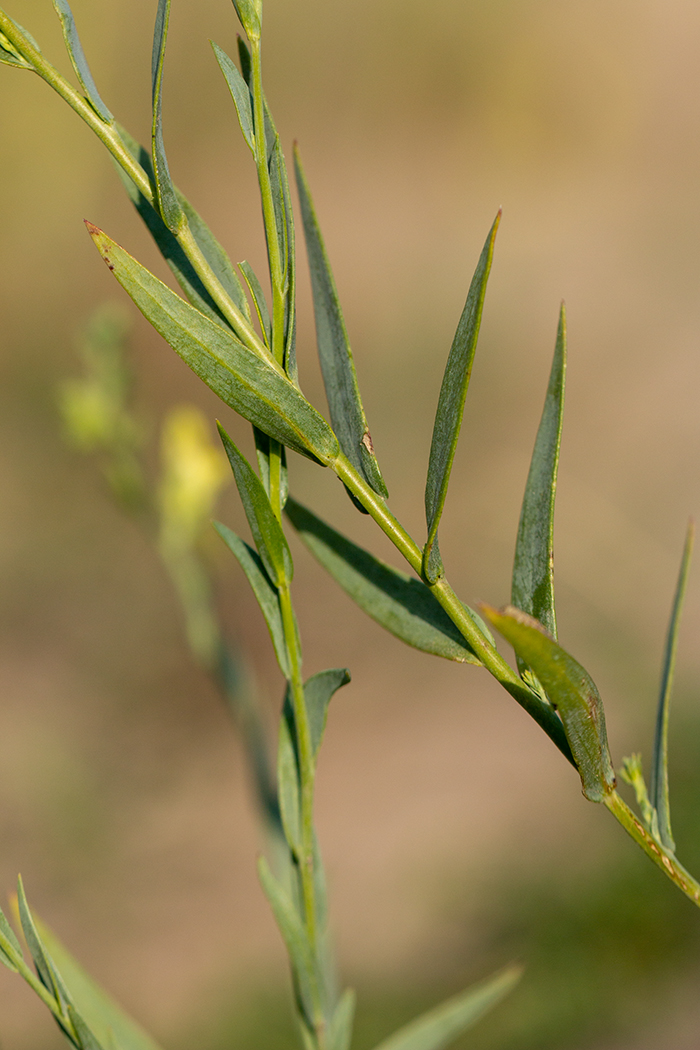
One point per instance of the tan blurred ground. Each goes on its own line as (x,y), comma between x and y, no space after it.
(122,797)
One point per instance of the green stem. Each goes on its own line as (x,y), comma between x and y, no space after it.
(307,774)
(660,856)
(268,207)
(544,715)
(108,134)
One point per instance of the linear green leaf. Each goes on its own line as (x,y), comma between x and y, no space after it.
(78,60)
(318,692)
(240,93)
(263,589)
(171,251)
(168,204)
(533,568)
(340,1028)
(96,1007)
(293,934)
(50,977)
(87,1040)
(401,604)
(658,787)
(339,376)
(448,418)
(441,1026)
(10,949)
(288,785)
(571,691)
(267,531)
(244,381)
(259,301)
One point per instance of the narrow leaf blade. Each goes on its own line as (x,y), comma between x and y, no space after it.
(263,589)
(318,692)
(339,376)
(240,94)
(244,381)
(50,977)
(288,785)
(78,60)
(453,392)
(533,569)
(571,691)
(444,1024)
(258,297)
(293,934)
(340,1028)
(401,604)
(168,203)
(96,1007)
(267,531)
(659,769)
(10,950)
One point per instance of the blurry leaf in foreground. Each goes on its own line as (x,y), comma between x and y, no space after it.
(441,1026)
(571,691)
(340,1028)
(194,471)
(659,769)
(402,604)
(450,409)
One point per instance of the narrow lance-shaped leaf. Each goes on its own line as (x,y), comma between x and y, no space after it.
(340,1028)
(259,301)
(448,418)
(401,604)
(267,531)
(659,770)
(533,569)
(571,691)
(171,251)
(168,204)
(10,950)
(240,93)
(339,376)
(441,1026)
(243,380)
(263,589)
(50,977)
(78,60)
(97,1009)
(288,784)
(294,936)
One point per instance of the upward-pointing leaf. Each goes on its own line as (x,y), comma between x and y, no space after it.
(339,376)
(294,936)
(267,531)
(109,1023)
(9,55)
(533,569)
(441,1026)
(659,769)
(401,604)
(240,93)
(448,418)
(171,251)
(261,393)
(168,204)
(572,692)
(78,60)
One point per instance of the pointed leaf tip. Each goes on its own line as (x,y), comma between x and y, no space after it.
(450,409)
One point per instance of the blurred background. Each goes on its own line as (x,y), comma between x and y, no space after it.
(455,836)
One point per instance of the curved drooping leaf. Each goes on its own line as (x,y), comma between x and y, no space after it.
(533,569)
(402,604)
(171,251)
(441,1026)
(450,409)
(658,787)
(318,692)
(168,203)
(78,60)
(248,384)
(263,589)
(267,531)
(571,691)
(339,376)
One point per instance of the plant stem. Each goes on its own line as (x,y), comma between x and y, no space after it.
(661,857)
(544,715)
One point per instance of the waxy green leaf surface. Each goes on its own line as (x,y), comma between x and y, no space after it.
(339,376)
(240,93)
(168,203)
(448,418)
(402,604)
(242,379)
(533,570)
(571,691)
(78,60)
